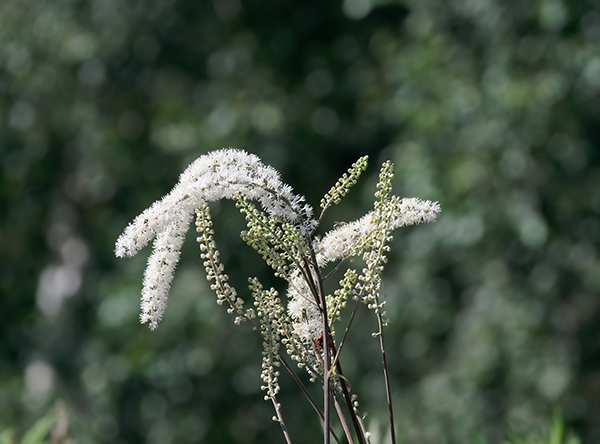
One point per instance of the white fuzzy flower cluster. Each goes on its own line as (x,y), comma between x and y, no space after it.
(341,242)
(219,175)
(303,309)
(344,241)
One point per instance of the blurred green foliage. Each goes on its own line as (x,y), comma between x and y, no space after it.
(490,107)
(552,434)
(53,429)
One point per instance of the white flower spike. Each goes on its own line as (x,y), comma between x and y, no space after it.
(219,175)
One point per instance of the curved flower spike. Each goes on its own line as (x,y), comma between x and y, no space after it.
(346,240)
(219,175)
(342,242)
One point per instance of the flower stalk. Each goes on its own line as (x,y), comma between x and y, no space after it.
(282,230)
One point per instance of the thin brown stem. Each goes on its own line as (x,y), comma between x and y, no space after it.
(302,386)
(387,379)
(362,427)
(280,420)
(318,222)
(348,400)
(305,391)
(326,350)
(340,413)
(337,267)
(343,341)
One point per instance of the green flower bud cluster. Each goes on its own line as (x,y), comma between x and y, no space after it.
(279,244)
(343,185)
(337,302)
(369,285)
(273,326)
(215,269)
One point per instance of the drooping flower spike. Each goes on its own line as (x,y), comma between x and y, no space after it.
(219,175)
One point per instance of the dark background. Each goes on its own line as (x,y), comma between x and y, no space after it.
(489,107)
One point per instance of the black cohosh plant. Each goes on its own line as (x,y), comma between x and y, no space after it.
(283,231)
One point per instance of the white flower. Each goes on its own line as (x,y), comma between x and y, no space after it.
(339,242)
(342,242)
(303,309)
(219,175)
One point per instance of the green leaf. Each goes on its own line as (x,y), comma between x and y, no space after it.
(40,430)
